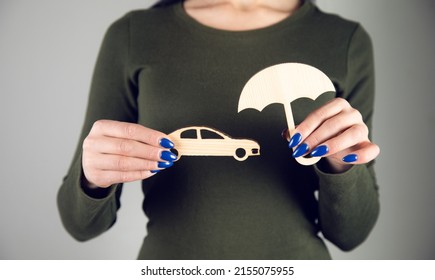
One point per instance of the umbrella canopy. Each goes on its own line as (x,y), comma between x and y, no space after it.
(283,83)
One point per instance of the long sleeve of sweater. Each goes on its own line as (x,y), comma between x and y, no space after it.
(112,96)
(349,202)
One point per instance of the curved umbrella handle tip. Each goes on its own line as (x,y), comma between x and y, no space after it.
(307,161)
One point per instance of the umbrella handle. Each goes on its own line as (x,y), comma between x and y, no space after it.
(304,160)
(291,129)
(307,161)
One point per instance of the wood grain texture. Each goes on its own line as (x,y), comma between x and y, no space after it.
(216,143)
(284,83)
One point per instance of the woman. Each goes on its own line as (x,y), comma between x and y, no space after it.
(185,63)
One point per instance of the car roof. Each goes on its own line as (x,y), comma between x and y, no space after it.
(179,131)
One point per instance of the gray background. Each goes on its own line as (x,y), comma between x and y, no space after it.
(47,53)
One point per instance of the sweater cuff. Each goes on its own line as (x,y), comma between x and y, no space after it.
(338,181)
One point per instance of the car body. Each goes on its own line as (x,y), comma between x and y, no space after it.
(206,141)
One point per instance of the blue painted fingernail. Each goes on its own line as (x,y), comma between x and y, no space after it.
(301,150)
(166,143)
(350,158)
(155,171)
(165,164)
(295,140)
(320,151)
(168,156)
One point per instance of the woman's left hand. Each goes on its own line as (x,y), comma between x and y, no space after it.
(336,132)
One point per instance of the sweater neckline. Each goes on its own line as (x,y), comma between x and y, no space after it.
(189,21)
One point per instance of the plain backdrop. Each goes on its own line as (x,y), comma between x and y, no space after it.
(47,53)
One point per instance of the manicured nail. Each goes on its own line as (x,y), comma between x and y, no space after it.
(301,150)
(168,156)
(155,171)
(295,140)
(350,158)
(166,143)
(320,151)
(165,164)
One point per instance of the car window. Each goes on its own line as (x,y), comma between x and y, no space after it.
(208,134)
(188,134)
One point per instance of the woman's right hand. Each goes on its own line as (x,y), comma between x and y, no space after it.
(119,152)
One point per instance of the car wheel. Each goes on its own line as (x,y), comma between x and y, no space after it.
(240,154)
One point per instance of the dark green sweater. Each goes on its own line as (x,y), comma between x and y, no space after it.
(162,69)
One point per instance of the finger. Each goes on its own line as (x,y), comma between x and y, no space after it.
(120,163)
(130,131)
(104,178)
(352,136)
(122,146)
(317,117)
(365,153)
(333,127)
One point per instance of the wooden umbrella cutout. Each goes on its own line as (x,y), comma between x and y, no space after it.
(284,83)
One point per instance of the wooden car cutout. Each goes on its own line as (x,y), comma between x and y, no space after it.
(206,141)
